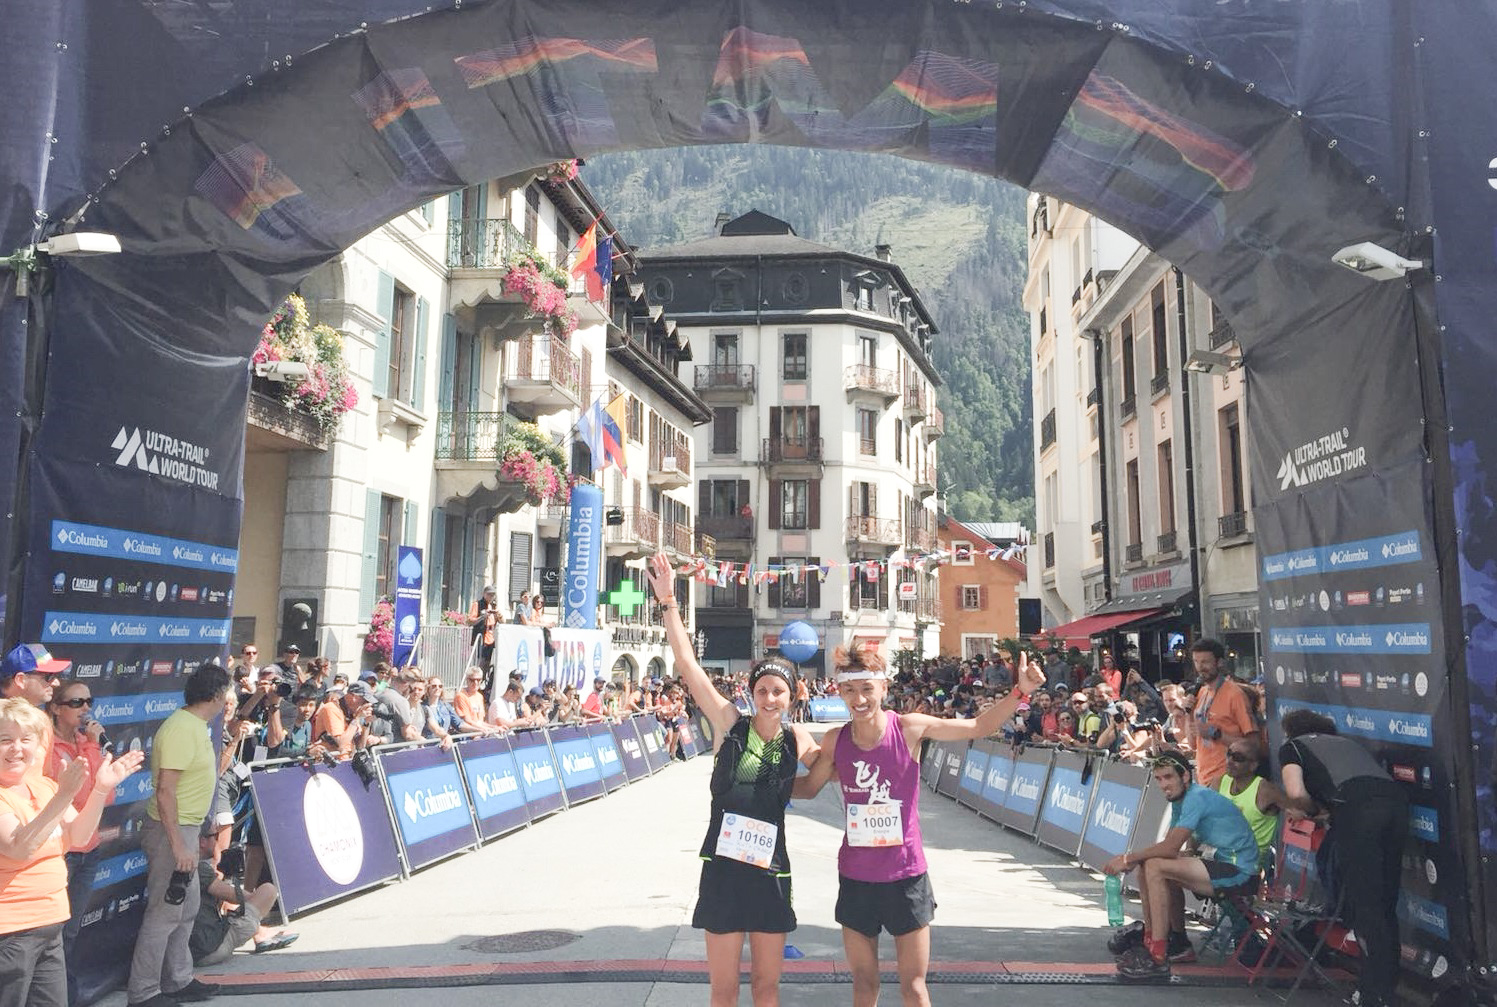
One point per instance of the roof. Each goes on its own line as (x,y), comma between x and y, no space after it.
(998,532)
(744,244)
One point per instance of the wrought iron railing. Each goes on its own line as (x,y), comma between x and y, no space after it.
(1047,430)
(724,377)
(1094,397)
(1134,553)
(677,448)
(1128,407)
(864,528)
(639,525)
(1159,382)
(483,244)
(1232,525)
(729,526)
(914,397)
(470,436)
(862,377)
(793,449)
(1168,542)
(1222,334)
(935,422)
(547,359)
(675,538)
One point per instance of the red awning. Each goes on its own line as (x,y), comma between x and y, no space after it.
(1078,634)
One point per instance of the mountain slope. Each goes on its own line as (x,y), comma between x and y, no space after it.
(958,236)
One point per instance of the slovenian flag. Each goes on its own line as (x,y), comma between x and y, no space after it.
(594,264)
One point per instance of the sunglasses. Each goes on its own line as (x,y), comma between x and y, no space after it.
(1237,757)
(78,703)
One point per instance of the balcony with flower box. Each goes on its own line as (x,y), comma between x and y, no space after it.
(501,286)
(275,426)
(542,376)
(724,382)
(862,381)
(634,535)
(495,461)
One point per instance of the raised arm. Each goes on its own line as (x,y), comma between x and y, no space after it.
(718,709)
(821,768)
(991,720)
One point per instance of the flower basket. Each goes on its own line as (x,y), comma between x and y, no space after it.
(327,392)
(535,461)
(380,641)
(543,288)
(560,171)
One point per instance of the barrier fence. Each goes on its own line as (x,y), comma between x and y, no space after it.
(1086,806)
(333,830)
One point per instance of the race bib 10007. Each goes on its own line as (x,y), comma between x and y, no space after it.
(875,824)
(747,840)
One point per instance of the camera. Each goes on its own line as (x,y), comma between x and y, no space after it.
(176,888)
(364,767)
(283,689)
(231,861)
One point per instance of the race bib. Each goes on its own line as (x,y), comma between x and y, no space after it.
(747,840)
(875,824)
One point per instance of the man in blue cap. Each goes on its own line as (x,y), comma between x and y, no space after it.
(30,672)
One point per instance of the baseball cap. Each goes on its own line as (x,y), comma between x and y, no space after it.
(490,589)
(31,657)
(291,648)
(600,680)
(537,691)
(367,676)
(340,676)
(359,690)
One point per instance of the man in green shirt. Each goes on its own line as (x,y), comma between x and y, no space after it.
(183,773)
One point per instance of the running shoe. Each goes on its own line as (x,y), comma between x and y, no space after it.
(1140,966)
(1123,938)
(1180,950)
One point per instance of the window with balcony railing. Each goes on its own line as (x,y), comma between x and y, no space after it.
(1047,430)
(1232,525)
(1135,552)
(1168,541)
(1222,334)
(724,377)
(1160,382)
(1128,407)
(1049,550)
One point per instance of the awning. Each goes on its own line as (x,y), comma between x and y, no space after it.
(1078,634)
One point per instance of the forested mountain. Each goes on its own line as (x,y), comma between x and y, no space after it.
(958,236)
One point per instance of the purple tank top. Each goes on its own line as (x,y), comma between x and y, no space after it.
(882,774)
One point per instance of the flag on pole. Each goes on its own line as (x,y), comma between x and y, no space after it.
(599,428)
(594,266)
(612,422)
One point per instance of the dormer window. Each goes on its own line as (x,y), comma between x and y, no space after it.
(727,290)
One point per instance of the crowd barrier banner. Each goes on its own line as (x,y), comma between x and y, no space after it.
(1026,789)
(631,749)
(610,765)
(326,833)
(706,734)
(951,775)
(995,783)
(744,707)
(1114,812)
(932,758)
(1153,818)
(974,772)
(538,776)
(578,762)
(652,736)
(1067,797)
(429,804)
(687,736)
(830,709)
(494,785)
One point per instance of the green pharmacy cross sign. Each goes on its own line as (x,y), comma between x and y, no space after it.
(627,598)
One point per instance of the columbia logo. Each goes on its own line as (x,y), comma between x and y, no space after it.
(132,450)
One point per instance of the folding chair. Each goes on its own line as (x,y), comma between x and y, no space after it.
(1294,900)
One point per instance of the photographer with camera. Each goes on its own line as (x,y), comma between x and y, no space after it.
(296,740)
(342,723)
(217,932)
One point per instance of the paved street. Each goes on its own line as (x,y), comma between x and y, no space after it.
(620,873)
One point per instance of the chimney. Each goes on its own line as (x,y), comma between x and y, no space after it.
(884,253)
(722,218)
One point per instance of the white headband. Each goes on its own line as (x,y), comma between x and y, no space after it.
(861,675)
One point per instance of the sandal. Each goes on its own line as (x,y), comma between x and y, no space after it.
(280,940)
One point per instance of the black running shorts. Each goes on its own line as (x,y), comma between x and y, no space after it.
(900,907)
(736,898)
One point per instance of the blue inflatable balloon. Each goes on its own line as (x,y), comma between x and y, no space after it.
(799,642)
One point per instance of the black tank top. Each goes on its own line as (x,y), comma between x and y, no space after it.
(762,795)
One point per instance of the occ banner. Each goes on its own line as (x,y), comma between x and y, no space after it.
(1063,817)
(1026,788)
(610,763)
(409,574)
(974,774)
(538,774)
(631,749)
(687,737)
(493,780)
(1109,822)
(326,833)
(429,802)
(578,762)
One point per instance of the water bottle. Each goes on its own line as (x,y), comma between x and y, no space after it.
(1114,887)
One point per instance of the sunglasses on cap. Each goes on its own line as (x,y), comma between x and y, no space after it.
(77,702)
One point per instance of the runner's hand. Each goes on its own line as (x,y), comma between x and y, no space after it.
(662,577)
(1030,677)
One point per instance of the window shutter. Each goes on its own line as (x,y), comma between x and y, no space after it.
(982,597)
(852,499)
(436,562)
(418,357)
(813,503)
(873,499)
(704,498)
(813,423)
(412,518)
(813,582)
(447,391)
(519,564)
(773,584)
(454,213)
(429,212)
(369,575)
(855,588)
(883,586)
(774,424)
(774,503)
(475,370)
(386,300)
(743,597)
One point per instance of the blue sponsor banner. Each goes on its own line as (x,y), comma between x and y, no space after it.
(142,630)
(1363,554)
(136,708)
(995,783)
(119,543)
(1424,823)
(631,749)
(493,779)
(974,773)
(134,788)
(1026,789)
(828,709)
(113,870)
(1396,638)
(578,762)
(1416,729)
(538,775)
(429,803)
(1114,809)
(1063,815)
(579,583)
(686,737)
(409,576)
(1422,914)
(610,763)
(327,833)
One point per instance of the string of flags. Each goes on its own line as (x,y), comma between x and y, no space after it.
(725,572)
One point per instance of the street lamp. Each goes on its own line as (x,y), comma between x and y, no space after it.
(700,639)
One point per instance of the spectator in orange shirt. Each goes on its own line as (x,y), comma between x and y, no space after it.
(345,717)
(1222,711)
(1112,675)
(469,704)
(76,737)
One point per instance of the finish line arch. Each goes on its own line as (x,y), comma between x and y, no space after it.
(234,147)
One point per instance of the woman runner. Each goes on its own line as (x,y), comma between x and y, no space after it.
(881,866)
(745,885)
